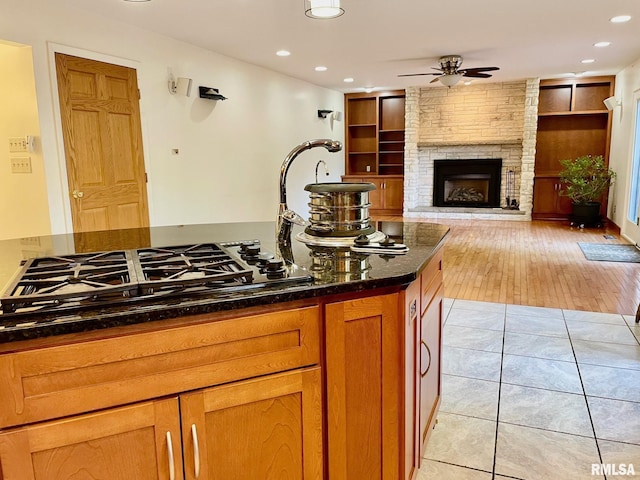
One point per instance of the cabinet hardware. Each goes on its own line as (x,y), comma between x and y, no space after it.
(196,451)
(77,194)
(172,466)
(423,344)
(413,308)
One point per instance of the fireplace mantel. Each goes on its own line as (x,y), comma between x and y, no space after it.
(457,143)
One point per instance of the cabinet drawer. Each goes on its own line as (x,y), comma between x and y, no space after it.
(431,279)
(62,380)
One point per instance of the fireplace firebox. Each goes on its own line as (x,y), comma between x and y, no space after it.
(467,182)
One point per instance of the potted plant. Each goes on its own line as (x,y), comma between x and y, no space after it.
(585,180)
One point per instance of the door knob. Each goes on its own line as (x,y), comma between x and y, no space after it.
(77,194)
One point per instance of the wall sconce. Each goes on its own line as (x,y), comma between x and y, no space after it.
(331,115)
(611,103)
(322,8)
(181,86)
(211,93)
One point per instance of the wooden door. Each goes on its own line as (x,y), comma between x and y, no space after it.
(393,193)
(547,201)
(99,106)
(430,380)
(269,428)
(118,444)
(365,380)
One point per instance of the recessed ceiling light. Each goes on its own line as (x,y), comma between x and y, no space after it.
(620,19)
(588,60)
(601,44)
(321,68)
(368,89)
(283,53)
(348,80)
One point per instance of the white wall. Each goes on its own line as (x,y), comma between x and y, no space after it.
(627,86)
(230,151)
(23,196)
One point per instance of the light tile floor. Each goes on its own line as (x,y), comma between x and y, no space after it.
(535,393)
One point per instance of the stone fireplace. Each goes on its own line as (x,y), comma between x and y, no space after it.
(487,121)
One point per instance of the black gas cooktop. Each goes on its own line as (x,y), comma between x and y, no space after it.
(73,282)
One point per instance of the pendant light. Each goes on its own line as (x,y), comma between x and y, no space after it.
(322,8)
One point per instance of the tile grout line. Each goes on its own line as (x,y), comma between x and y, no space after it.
(495,445)
(586,401)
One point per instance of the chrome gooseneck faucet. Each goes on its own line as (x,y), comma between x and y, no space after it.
(326,169)
(288,217)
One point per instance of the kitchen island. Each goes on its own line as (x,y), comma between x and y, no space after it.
(334,376)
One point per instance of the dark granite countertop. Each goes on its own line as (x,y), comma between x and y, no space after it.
(334,271)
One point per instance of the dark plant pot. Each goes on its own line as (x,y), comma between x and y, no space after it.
(586,213)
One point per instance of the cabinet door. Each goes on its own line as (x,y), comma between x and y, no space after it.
(547,200)
(364,384)
(269,428)
(139,442)
(430,346)
(393,193)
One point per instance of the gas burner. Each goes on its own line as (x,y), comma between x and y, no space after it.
(55,280)
(46,287)
(336,241)
(182,266)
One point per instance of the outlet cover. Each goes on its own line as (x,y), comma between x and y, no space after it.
(21,165)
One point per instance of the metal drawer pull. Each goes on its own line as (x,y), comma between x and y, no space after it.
(196,451)
(172,466)
(422,374)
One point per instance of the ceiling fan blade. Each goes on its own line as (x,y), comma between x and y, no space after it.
(477,75)
(478,69)
(435,80)
(416,74)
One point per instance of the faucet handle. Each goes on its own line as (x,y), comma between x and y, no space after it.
(293,217)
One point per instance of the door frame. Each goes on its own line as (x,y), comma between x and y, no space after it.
(61,183)
(630,231)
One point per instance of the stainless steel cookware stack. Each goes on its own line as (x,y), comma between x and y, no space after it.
(339,209)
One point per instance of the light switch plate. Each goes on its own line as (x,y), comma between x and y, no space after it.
(18,144)
(21,165)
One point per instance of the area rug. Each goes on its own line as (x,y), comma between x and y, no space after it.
(609,252)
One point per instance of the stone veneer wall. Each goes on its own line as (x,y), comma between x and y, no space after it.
(488,120)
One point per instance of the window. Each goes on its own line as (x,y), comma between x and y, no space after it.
(634,197)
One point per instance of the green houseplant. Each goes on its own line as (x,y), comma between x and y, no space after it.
(585,180)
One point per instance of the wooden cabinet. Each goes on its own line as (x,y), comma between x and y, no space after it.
(141,441)
(572,121)
(548,201)
(383,379)
(268,428)
(374,133)
(241,431)
(388,197)
(364,388)
(250,421)
(429,346)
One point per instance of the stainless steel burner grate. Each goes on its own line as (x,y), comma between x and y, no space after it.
(51,280)
(183,266)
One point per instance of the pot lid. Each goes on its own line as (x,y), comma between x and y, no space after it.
(339,187)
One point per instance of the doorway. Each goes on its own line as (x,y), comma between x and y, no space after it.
(100,117)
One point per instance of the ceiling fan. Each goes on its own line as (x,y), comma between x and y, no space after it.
(450,72)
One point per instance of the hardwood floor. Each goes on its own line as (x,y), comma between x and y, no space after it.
(535,263)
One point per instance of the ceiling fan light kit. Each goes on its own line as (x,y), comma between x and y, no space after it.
(451,73)
(450,80)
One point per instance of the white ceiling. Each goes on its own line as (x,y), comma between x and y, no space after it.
(375,40)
